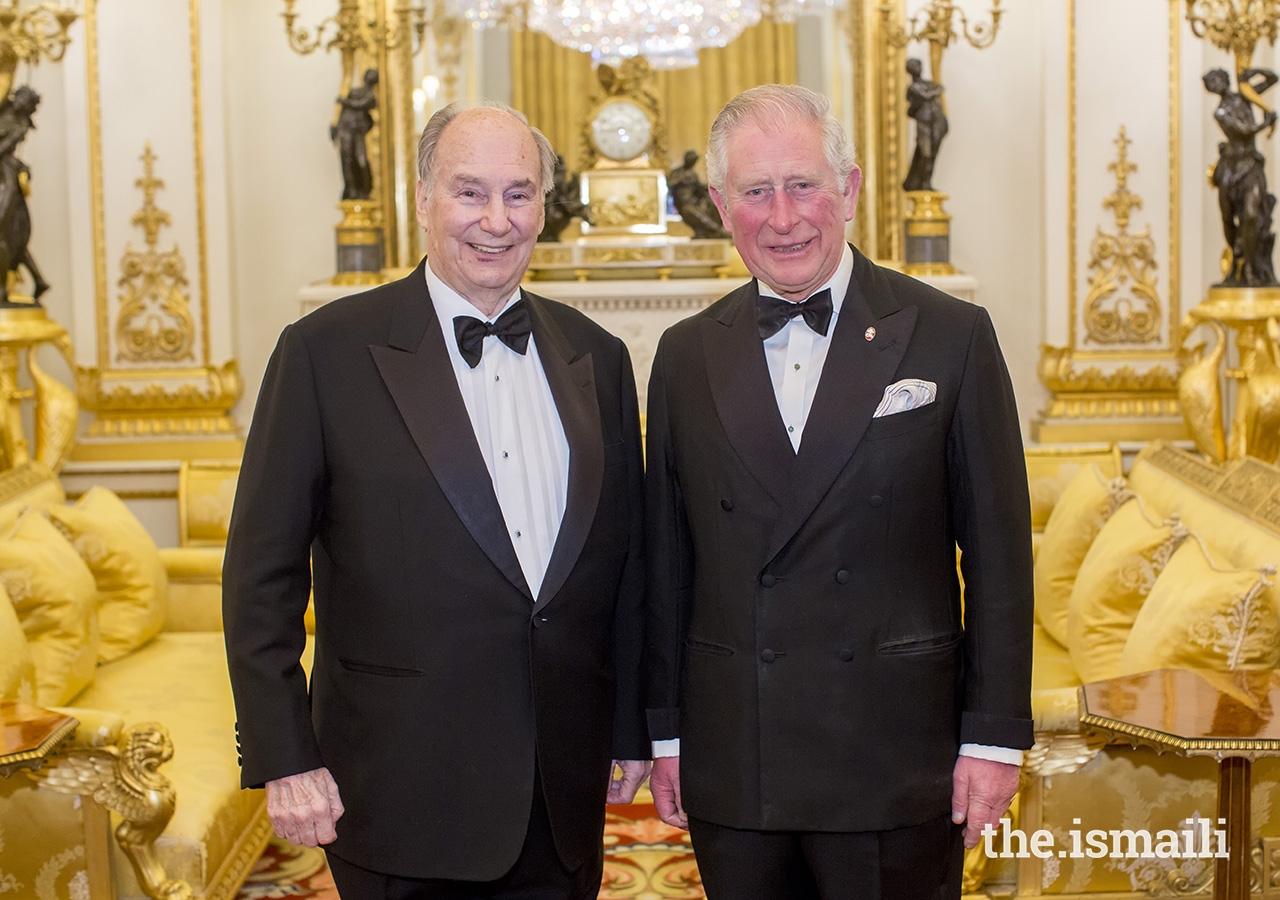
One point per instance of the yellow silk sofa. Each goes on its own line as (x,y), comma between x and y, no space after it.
(145,801)
(1172,566)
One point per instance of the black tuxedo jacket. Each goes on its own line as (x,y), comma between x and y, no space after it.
(438,679)
(806,636)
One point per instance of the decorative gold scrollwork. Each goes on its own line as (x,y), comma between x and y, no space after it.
(155,322)
(1115,260)
(123,777)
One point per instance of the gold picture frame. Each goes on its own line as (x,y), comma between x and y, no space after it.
(625,201)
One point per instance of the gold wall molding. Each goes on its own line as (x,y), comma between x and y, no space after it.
(1118,258)
(1058,373)
(156,409)
(154,323)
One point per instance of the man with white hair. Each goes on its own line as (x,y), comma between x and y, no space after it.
(458,460)
(826,712)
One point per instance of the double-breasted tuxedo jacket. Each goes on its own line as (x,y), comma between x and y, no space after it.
(806,637)
(438,679)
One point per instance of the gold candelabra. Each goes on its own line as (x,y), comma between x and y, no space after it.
(30,35)
(1236,26)
(351,32)
(384,35)
(935,23)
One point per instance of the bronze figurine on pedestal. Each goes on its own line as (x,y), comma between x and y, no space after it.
(15,219)
(355,120)
(1241,178)
(693,201)
(563,204)
(924,104)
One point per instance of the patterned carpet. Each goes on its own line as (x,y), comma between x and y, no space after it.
(644,859)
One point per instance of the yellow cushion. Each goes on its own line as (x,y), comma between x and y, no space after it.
(17,672)
(1077,517)
(1199,616)
(133,587)
(53,593)
(1051,468)
(30,484)
(1117,574)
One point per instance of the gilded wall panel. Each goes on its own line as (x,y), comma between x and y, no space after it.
(148,178)
(1115,181)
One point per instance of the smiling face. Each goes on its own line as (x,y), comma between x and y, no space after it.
(785,206)
(484,210)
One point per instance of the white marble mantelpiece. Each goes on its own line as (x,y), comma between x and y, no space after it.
(636,310)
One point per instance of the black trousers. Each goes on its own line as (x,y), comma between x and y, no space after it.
(536,875)
(922,862)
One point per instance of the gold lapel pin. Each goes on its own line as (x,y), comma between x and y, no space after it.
(870,333)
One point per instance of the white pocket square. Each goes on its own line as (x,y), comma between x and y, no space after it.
(904,395)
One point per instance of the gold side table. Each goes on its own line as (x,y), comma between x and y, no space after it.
(29,734)
(1228,716)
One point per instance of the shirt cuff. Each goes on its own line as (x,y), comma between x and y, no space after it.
(985,751)
(666,748)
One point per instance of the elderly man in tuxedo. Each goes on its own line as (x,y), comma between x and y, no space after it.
(823,705)
(458,461)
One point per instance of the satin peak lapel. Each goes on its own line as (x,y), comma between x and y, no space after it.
(744,396)
(416,369)
(852,385)
(571,376)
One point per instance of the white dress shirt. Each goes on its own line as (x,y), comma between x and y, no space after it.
(517,425)
(796,355)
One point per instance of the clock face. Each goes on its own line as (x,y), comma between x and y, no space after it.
(621,130)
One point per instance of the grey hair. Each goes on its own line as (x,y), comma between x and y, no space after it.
(774,105)
(430,141)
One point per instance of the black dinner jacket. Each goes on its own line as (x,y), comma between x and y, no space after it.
(438,679)
(806,637)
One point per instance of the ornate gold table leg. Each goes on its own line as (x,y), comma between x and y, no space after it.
(1231,875)
(123,778)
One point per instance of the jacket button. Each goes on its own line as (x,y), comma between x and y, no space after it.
(876,500)
(846,654)
(768,580)
(539,621)
(726,504)
(768,656)
(843,576)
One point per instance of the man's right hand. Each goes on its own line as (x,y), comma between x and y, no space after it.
(304,808)
(664,784)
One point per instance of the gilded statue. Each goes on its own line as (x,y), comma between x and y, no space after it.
(1241,178)
(693,200)
(924,104)
(16,111)
(563,203)
(355,121)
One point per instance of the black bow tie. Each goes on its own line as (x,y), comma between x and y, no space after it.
(512,328)
(774,312)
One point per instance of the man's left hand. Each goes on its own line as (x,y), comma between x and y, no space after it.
(981,791)
(623,790)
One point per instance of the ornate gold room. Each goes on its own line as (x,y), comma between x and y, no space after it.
(180,181)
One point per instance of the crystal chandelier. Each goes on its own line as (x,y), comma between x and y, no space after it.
(668,33)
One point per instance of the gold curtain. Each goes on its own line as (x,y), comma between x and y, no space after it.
(555,86)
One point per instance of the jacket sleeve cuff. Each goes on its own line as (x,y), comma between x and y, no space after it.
(664,724)
(994,731)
